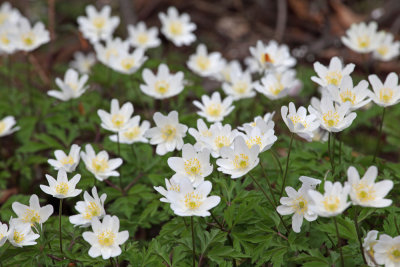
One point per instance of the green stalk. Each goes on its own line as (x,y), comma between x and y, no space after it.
(287,165)
(358,233)
(60,213)
(269,184)
(338,245)
(379,136)
(119,155)
(193,243)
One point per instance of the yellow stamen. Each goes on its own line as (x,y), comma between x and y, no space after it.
(18,237)
(221,141)
(192,167)
(168,132)
(214,109)
(98,22)
(106,238)
(331,203)
(91,210)
(331,118)
(132,133)
(99,165)
(62,188)
(348,95)
(162,87)
(193,201)
(385,95)
(176,28)
(241,161)
(203,62)
(118,120)
(31,216)
(334,78)
(68,160)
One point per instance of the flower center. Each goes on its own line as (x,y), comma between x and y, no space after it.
(276,88)
(214,109)
(3,17)
(98,22)
(162,87)
(118,120)
(168,132)
(4,39)
(206,133)
(203,62)
(193,167)
(128,63)
(240,87)
(2,126)
(62,188)
(266,58)
(383,50)
(221,141)
(394,254)
(174,187)
(142,38)
(255,140)
(73,86)
(363,41)
(385,95)
(364,192)
(28,39)
(331,118)
(31,216)
(67,161)
(99,165)
(106,238)
(91,210)
(241,161)
(331,203)
(18,237)
(300,204)
(348,95)
(132,133)
(334,78)
(193,201)
(176,28)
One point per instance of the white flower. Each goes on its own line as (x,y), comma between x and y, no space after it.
(358,95)
(3,232)
(83,63)
(198,134)
(363,38)
(277,85)
(193,202)
(72,87)
(333,202)
(213,108)
(365,192)
(240,85)
(172,184)
(369,242)
(128,63)
(29,38)
(240,160)
(194,165)
(118,119)
(386,94)
(6,126)
(99,164)
(297,203)
(105,238)
(220,136)
(299,122)
(272,57)
(263,123)
(21,234)
(113,48)
(8,14)
(62,188)
(387,49)
(333,118)
(387,251)
(333,74)
(133,134)
(256,137)
(168,133)
(163,84)
(205,64)
(33,213)
(141,37)
(8,37)
(229,68)
(98,25)
(320,135)
(91,207)
(252,65)
(62,161)
(177,28)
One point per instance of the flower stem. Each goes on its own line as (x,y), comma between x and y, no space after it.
(269,184)
(358,233)
(275,156)
(379,136)
(60,213)
(193,243)
(338,245)
(287,165)
(119,155)
(330,148)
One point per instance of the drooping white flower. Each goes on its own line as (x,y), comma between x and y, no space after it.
(163,84)
(67,162)
(172,184)
(299,122)
(205,64)
(387,251)
(83,62)
(100,164)
(277,85)
(363,38)
(388,49)
(240,160)
(128,63)
(368,245)
(91,207)
(220,136)
(29,38)
(113,48)
(365,192)
(177,28)
(263,123)
(98,25)
(257,137)
(332,74)
(357,95)
(33,213)
(272,56)
(6,126)
(62,187)
(168,133)
(141,37)
(133,134)
(118,119)
(297,203)
(194,165)
(3,233)
(9,14)
(21,234)
(193,202)
(71,87)
(385,94)
(198,134)
(333,118)
(105,240)
(213,109)
(240,85)
(333,202)
(229,68)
